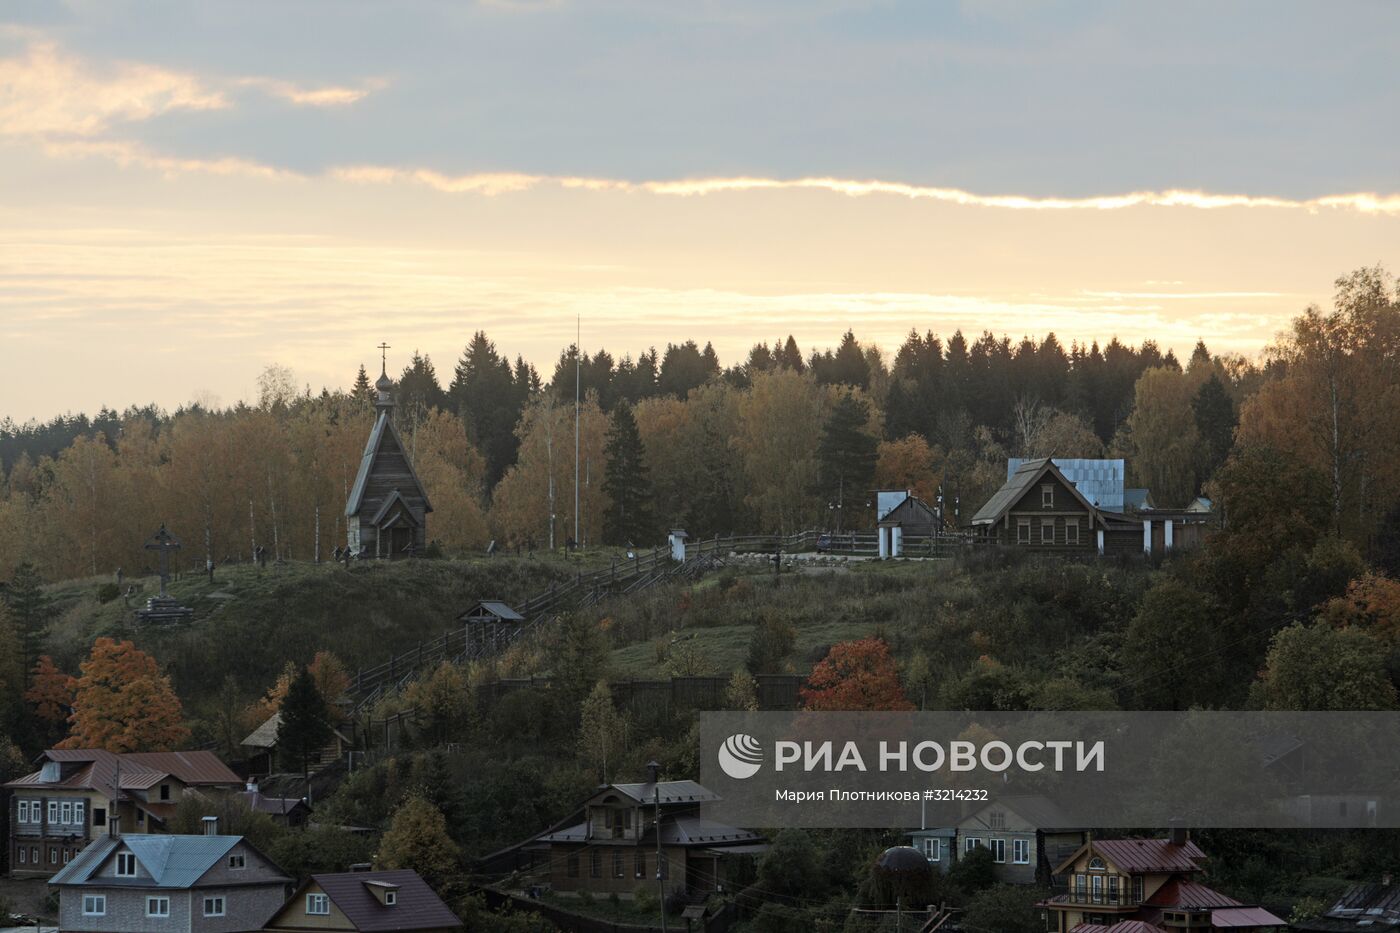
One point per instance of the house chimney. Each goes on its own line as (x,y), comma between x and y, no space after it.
(211,825)
(1178,835)
(653,771)
(360,866)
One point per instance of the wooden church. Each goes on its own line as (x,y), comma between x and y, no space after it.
(387,513)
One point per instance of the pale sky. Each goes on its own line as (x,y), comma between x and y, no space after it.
(190,191)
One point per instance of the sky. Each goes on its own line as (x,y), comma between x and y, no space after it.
(191,190)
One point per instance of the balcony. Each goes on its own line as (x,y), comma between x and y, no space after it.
(1109,897)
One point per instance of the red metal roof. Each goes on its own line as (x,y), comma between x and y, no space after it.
(1150,855)
(1189,895)
(1122,926)
(1233,917)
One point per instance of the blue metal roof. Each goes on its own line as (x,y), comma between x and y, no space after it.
(1099,481)
(172,861)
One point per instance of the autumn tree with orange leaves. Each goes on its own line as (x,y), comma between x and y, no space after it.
(123,703)
(856,675)
(50,696)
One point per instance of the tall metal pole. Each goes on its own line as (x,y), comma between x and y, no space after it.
(660,881)
(578,378)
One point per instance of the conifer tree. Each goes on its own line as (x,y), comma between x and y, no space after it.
(363,392)
(627,483)
(29,610)
(846,455)
(304,728)
(1215,423)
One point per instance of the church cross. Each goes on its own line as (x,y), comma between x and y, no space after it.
(164,542)
(383,349)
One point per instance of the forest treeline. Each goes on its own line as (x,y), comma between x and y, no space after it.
(777,442)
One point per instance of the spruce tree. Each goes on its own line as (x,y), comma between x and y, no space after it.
(846,456)
(627,483)
(1215,423)
(29,611)
(362,392)
(305,727)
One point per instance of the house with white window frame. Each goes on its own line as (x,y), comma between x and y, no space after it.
(938,845)
(169,884)
(1027,835)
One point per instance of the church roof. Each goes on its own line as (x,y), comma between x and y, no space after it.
(383,426)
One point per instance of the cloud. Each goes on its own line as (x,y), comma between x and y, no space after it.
(45,93)
(504,183)
(50,95)
(325,96)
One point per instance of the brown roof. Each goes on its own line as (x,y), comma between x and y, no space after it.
(193,768)
(1122,926)
(1142,855)
(139,770)
(418,906)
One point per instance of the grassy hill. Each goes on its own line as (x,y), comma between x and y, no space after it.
(251,621)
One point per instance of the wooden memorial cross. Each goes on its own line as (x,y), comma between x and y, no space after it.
(165,543)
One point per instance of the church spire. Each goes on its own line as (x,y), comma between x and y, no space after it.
(384,384)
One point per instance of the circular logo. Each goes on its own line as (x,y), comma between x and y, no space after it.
(740,756)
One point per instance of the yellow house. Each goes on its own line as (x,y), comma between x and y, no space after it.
(364,902)
(1144,886)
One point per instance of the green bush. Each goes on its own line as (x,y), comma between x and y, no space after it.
(108,592)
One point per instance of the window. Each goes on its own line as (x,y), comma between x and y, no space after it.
(1023,531)
(53,811)
(1137,888)
(617,864)
(157,907)
(94,905)
(23,814)
(1021,851)
(126,865)
(80,812)
(931,849)
(391,898)
(1097,864)
(1047,497)
(998,850)
(53,855)
(1072,532)
(1113,888)
(67,856)
(639,866)
(997,820)
(1096,886)
(970,843)
(1047,531)
(213,907)
(165,792)
(1081,886)
(573,866)
(23,855)
(318,905)
(66,812)
(595,864)
(237,862)
(99,816)
(140,816)
(34,854)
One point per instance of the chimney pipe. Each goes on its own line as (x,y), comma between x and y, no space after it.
(1178,832)
(211,825)
(653,772)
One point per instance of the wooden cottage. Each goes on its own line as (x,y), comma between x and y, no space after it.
(386,514)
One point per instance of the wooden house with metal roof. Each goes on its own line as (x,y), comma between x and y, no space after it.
(626,835)
(79,793)
(1145,886)
(387,511)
